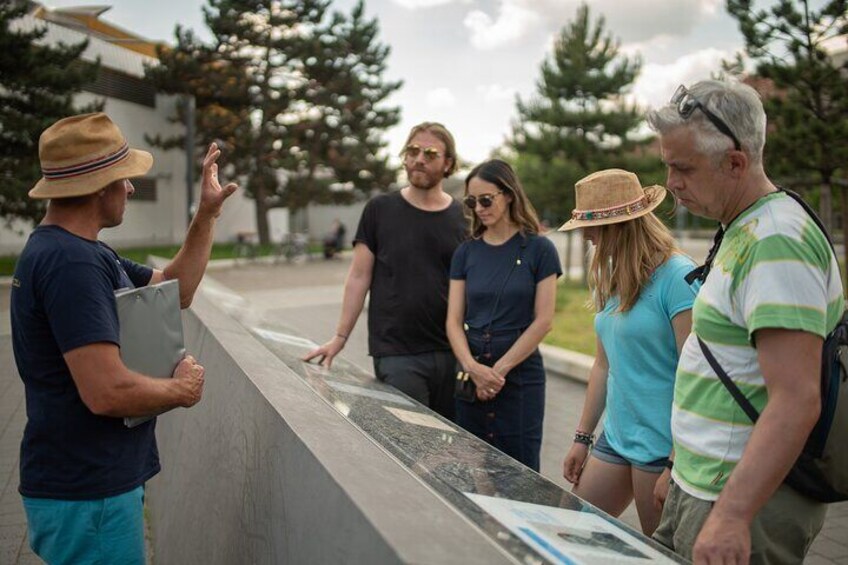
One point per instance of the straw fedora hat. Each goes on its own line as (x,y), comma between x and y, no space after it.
(611,196)
(82,154)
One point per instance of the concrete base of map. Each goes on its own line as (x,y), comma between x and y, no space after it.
(265,471)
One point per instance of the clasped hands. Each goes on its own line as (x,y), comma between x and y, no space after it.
(488,380)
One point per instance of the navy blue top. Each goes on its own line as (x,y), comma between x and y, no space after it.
(63,298)
(485,267)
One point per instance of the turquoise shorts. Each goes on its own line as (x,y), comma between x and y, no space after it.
(107,530)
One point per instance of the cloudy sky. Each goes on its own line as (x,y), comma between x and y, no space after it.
(464,61)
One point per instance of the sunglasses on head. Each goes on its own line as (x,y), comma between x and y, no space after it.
(413,151)
(485,200)
(686,104)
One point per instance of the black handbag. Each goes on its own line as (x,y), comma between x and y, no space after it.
(464,387)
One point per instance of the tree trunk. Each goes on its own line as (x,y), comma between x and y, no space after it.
(843,192)
(826,206)
(568,238)
(585,262)
(259,200)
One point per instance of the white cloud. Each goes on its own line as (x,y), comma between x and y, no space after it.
(657,83)
(441,98)
(416,4)
(496,92)
(629,21)
(513,23)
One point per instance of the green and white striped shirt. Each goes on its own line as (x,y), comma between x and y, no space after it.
(774,269)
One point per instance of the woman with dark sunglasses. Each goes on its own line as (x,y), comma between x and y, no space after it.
(500,306)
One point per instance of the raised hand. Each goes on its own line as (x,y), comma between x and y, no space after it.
(212,196)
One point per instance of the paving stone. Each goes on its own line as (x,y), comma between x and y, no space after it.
(829,548)
(13,533)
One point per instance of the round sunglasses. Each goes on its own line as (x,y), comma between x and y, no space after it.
(485,200)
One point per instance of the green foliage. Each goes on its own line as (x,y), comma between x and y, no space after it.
(579,121)
(573,324)
(37,87)
(808,109)
(296,93)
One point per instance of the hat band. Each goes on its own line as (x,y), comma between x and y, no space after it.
(59,173)
(612,212)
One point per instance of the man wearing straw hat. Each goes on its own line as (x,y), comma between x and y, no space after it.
(82,471)
(773,293)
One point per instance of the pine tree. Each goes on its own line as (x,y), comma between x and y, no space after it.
(37,87)
(808,105)
(578,122)
(340,143)
(297,97)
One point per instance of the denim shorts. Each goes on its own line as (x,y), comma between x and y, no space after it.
(107,530)
(605,452)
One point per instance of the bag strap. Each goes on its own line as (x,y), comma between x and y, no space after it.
(700,273)
(503,285)
(731,387)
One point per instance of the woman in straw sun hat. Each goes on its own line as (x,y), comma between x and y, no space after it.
(644,309)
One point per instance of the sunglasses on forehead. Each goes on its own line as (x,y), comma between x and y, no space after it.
(485,200)
(413,151)
(686,104)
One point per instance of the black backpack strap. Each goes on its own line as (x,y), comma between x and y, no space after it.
(700,273)
(797,198)
(731,387)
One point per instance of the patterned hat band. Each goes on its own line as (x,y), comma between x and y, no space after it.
(612,212)
(59,173)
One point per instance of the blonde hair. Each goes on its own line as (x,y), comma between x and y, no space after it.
(626,255)
(521,211)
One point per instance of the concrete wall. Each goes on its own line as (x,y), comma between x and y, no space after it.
(264,471)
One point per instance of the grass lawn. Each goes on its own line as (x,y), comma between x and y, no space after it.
(573,326)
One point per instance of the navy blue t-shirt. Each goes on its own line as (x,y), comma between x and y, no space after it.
(63,298)
(485,267)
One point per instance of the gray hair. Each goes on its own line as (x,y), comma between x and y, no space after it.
(738,105)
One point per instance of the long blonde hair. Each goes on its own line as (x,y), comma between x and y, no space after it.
(626,255)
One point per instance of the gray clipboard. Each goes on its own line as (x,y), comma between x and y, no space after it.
(151,332)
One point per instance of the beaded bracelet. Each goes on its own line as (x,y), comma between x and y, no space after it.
(584,438)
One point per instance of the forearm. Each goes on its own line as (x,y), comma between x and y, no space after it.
(775,443)
(189,264)
(526,344)
(135,394)
(459,344)
(356,288)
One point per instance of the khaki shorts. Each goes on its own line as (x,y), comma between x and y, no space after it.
(781,532)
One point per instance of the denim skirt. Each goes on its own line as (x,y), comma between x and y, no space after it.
(512,421)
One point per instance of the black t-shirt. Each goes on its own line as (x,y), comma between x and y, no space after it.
(409,286)
(63,298)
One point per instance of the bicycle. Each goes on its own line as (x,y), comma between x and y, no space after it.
(246,247)
(293,247)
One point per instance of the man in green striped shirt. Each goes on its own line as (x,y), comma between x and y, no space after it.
(772,295)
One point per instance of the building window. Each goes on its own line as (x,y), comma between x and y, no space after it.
(145,189)
(122,86)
